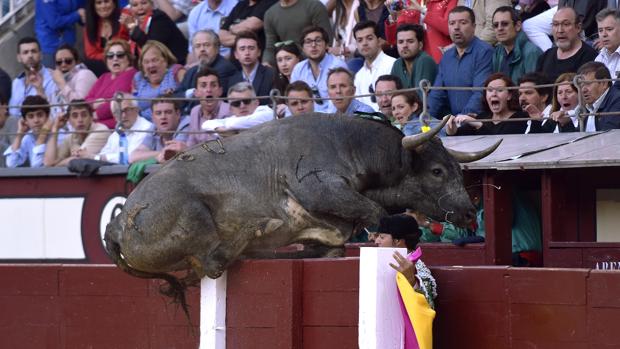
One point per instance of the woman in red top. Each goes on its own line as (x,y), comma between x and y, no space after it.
(101,26)
(436,23)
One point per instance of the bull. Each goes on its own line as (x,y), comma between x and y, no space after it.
(312,180)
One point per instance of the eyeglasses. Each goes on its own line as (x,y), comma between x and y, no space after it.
(315,92)
(502,24)
(238,102)
(317,41)
(283,43)
(119,55)
(373,98)
(565,24)
(65,61)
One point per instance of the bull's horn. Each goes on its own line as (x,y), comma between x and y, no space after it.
(470,156)
(412,142)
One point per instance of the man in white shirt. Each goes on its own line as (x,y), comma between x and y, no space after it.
(245,109)
(608,21)
(376,63)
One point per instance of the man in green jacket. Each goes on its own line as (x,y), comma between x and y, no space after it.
(414,64)
(514,54)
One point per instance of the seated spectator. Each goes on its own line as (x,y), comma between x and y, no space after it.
(72,78)
(102,25)
(287,57)
(28,148)
(437,37)
(600,97)
(143,23)
(314,69)
(564,104)
(570,51)
(608,21)
(168,138)
(130,124)
(118,79)
(384,87)
(414,64)
(207,87)
(402,231)
(376,11)
(247,52)
(498,105)
(406,108)
(34,80)
(342,93)
(296,103)
(247,15)
(483,10)
(514,54)
(376,63)
(8,128)
(159,75)
(210,14)
(87,140)
(245,109)
(535,101)
(54,25)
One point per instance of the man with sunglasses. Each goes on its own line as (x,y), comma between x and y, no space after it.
(514,54)
(314,69)
(72,78)
(376,63)
(245,109)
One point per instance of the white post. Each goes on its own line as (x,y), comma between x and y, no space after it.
(380,320)
(213,313)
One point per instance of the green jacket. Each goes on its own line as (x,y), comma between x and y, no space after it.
(524,58)
(424,67)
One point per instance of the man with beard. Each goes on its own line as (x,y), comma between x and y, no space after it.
(570,52)
(207,87)
(414,64)
(34,80)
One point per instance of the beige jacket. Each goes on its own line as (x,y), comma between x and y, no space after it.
(483,9)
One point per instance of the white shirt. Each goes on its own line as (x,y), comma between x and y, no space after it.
(545,114)
(236,123)
(591,122)
(367,76)
(111,149)
(611,60)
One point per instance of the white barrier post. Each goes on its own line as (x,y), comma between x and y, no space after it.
(380,320)
(213,313)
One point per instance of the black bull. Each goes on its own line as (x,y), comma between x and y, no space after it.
(312,179)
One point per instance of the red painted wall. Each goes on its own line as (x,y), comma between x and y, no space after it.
(305,304)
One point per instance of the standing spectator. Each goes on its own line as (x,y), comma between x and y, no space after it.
(468,64)
(102,25)
(436,21)
(483,10)
(514,54)
(55,23)
(535,101)
(414,64)
(210,14)
(246,16)
(35,80)
(600,97)
(297,104)
(247,52)
(315,68)
(207,87)
(384,88)
(570,52)
(87,140)
(28,148)
(341,90)
(609,35)
(72,78)
(159,75)
(118,79)
(376,63)
(286,19)
(8,127)
(144,23)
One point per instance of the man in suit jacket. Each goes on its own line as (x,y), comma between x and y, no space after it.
(600,97)
(247,52)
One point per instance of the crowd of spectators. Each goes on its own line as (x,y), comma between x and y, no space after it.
(219,57)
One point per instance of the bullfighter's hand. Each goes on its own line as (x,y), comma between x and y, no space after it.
(405,267)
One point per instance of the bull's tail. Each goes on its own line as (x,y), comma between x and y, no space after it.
(174,289)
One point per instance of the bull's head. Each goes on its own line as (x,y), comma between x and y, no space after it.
(439,191)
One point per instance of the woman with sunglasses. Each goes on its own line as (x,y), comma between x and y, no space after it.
(118,61)
(72,78)
(102,25)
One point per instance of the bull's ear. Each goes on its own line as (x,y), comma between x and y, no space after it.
(412,142)
(470,156)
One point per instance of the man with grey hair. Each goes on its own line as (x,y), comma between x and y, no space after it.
(129,122)
(608,21)
(341,90)
(245,109)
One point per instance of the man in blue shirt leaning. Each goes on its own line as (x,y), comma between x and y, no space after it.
(468,63)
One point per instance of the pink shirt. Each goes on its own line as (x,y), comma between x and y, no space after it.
(106,87)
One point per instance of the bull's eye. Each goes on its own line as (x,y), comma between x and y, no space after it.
(437,171)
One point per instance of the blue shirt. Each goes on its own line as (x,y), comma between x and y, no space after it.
(19,90)
(353,107)
(153,141)
(470,70)
(414,126)
(28,151)
(55,22)
(203,17)
(303,72)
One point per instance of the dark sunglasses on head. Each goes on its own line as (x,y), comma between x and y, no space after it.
(65,61)
(238,102)
(283,43)
(316,93)
(111,55)
(373,98)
